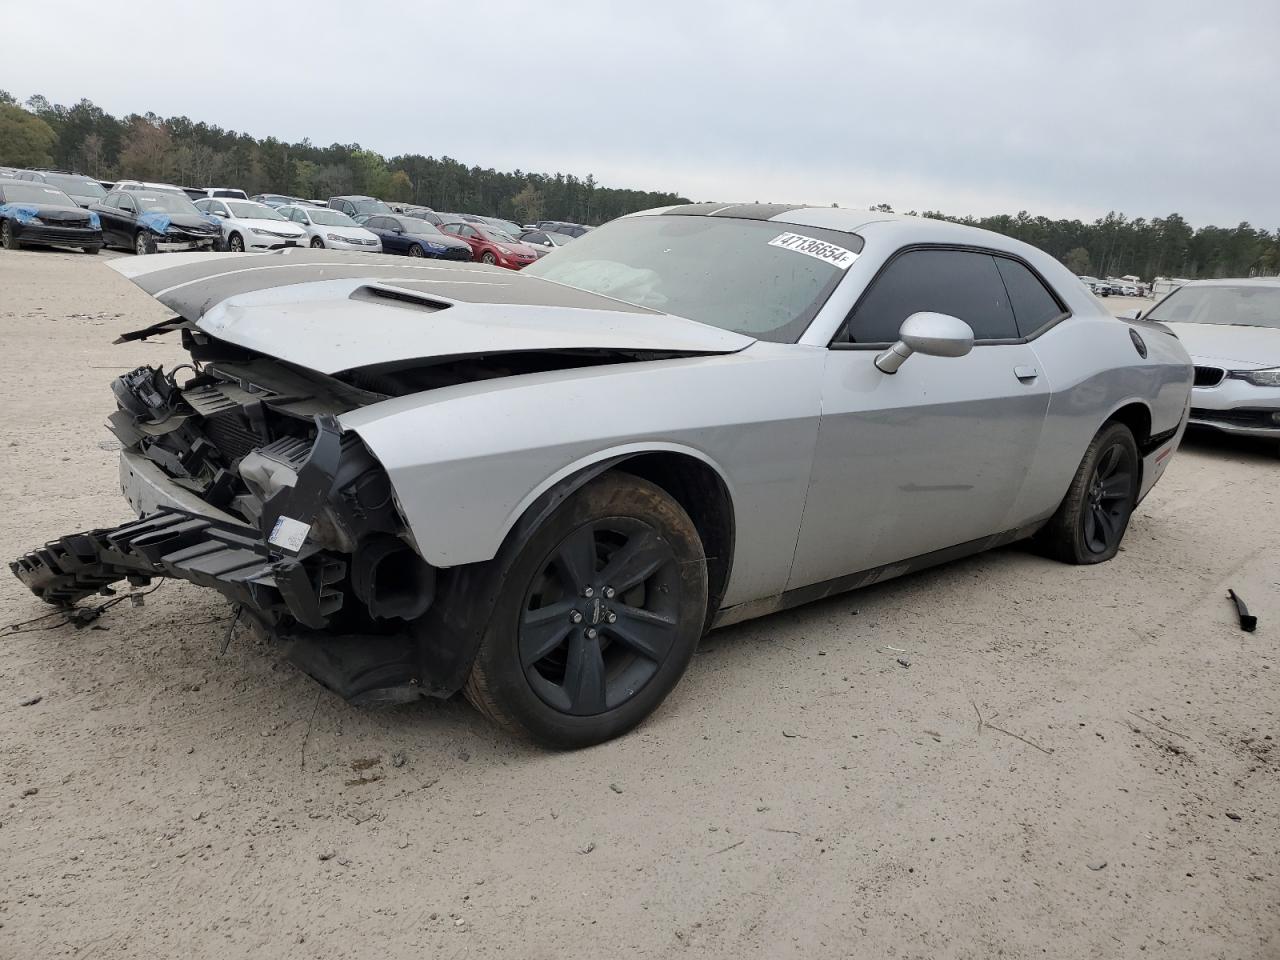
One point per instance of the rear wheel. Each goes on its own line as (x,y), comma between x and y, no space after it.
(91,250)
(7,239)
(1094,515)
(603,609)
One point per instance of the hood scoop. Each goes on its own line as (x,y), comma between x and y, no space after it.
(399,298)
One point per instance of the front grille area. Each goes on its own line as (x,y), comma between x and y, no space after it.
(1209,376)
(457,253)
(231,435)
(1240,417)
(69,235)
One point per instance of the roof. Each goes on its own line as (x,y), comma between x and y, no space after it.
(1236,282)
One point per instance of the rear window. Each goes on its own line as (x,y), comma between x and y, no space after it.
(1034,306)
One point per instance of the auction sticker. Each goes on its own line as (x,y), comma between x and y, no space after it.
(838,257)
(289,534)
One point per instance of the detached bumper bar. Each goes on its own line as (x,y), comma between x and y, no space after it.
(231,558)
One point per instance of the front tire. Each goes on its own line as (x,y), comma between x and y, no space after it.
(143,243)
(92,251)
(7,238)
(604,607)
(415,250)
(317,243)
(1094,515)
(235,243)
(489,258)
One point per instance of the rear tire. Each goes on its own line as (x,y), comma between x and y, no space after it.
(1092,519)
(570,670)
(91,250)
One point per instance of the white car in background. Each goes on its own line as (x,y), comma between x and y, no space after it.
(331,229)
(1231,328)
(252,226)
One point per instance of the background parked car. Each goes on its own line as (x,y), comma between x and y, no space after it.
(252,226)
(354,206)
(149,186)
(423,213)
(274,199)
(543,241)
(83,190)
(40,214)
(415,238)
(153,221)
(331,229)
(491,245)
(562,226)
(506,226)
(230,193)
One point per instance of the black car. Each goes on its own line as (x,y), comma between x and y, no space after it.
(85,191)
(36,213)
(417,238)
(151,221)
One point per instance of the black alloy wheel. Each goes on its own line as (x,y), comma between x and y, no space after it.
(1092,519)
(598,613)
(600,617)
(1111,495)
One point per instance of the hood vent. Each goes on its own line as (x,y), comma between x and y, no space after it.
(401,298)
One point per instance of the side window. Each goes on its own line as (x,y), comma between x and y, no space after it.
(536,238)
(1033,305)
(963,283)
(469,231)
(126,203)
(204,206)
(450,228)
(110,200)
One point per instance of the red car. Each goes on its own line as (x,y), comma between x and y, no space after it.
(491,245)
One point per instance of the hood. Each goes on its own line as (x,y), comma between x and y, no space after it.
(275,226)
(444,240)
(23,212)
(1220,343)
(333,312)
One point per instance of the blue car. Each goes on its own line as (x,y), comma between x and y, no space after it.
(39,214)
(414,237)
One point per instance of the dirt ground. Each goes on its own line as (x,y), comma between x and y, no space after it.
(803,793)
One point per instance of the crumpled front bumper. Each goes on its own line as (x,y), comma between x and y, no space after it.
(228,557)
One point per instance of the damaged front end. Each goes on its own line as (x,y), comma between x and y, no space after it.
(245,482)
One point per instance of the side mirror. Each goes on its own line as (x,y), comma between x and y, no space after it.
(933,334)
(1130,315)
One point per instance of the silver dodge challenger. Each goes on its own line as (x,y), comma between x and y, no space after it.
(542,488)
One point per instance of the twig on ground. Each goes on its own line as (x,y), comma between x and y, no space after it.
(1155,723)
(1008,733)
(729,847)
(780,830)
(307,736)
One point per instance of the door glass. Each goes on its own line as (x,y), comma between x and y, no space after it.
(962,283)
(1033,305)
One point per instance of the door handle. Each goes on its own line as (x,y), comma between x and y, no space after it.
(1026,373)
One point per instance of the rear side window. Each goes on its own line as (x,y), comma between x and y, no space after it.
(1033,305)
(962,283)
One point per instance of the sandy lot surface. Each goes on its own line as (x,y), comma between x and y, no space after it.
(801,794)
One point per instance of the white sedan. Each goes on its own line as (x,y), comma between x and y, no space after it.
(331,229)
(252,226)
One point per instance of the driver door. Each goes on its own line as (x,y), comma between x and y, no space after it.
(934,455)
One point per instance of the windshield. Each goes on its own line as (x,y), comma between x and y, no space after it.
(496,235)
(75,185)
(1245,306)
(252,211)
(29,192)
(370,206)
(163,203)
(331,218)
(732,274)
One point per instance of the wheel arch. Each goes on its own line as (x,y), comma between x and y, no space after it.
(691,478)
(1135,415)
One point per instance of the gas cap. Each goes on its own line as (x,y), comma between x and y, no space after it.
(1138,343)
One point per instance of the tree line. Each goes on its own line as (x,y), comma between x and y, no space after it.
(86,139)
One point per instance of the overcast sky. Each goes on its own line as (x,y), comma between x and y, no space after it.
(1059,107)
